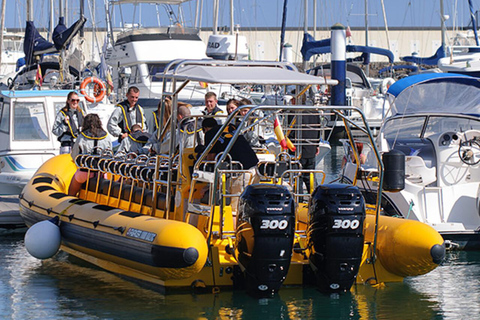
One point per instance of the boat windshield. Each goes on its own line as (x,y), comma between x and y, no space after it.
(5,117)
(412,127)
(403,128)
(29,121)
(153,69)
(455,124)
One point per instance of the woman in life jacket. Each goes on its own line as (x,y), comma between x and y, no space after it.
(68,122)
(92,138)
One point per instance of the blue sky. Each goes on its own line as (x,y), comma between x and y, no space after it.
(268,13)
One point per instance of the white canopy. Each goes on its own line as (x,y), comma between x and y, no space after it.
(247,74)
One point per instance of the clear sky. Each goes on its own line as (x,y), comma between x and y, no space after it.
(266,13)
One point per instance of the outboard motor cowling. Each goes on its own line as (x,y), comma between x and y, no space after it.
(264,236)
(335,235)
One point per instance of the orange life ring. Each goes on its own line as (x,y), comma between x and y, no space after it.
(99,89)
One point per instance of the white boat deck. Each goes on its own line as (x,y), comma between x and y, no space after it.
(10,218)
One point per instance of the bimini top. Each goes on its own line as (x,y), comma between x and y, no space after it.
(241,72)
(435,93)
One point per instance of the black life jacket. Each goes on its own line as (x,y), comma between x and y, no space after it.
(140,137)
(126,124)
(72,126)
(156,120)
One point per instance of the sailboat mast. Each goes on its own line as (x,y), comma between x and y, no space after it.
(442,20)
(2,27)
(367,67)
(305,28)
(474,21)
(215,16)
(52,22)
(282,33)
(29,10)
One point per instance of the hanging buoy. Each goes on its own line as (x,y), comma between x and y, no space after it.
(99,89)
(386,83)
(43,239)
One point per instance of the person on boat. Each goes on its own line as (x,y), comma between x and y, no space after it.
(68,122)
(127,113)
(250,135)
(135,141)
(211,105)
(188,135)
(154,122)
(232,104)
(92,138)
(351,157)
(241,151)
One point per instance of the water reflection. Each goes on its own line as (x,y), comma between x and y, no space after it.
(62,288)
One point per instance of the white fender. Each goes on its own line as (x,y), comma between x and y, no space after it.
(43,239)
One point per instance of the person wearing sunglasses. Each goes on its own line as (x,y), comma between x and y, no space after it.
(68,122)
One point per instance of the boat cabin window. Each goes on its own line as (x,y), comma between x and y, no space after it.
(5,117)
(153,69)
(403,128)
(29,121)
(134,76)
(448,124)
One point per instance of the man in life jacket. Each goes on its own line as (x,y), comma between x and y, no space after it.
(68,122)
(127,113)
(135,141)
(211,107)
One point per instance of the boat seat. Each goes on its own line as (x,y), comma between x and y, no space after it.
(161,199)
(416,171)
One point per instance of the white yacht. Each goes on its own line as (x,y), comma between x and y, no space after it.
(12,50)
(139,55)
(431,147)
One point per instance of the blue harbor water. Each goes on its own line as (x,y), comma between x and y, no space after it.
(65,288)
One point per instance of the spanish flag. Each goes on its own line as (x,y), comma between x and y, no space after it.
(38,76)
(285,143)
(204,85)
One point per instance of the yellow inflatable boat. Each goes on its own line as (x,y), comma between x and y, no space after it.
(182,219)
(273,243)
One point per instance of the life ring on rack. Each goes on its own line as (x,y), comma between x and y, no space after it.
(99,89)
(386,83)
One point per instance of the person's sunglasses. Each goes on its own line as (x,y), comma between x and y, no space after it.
(75,100)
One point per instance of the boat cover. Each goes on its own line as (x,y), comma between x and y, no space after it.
(435,93)
(247,74)
(429,61)
(34,44)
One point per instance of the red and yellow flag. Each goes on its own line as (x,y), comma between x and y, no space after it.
(38,76)
(285,143)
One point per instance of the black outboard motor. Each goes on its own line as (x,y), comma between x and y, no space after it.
(264,237)
(335,235)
